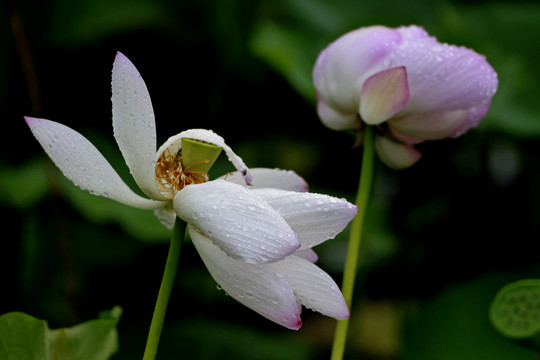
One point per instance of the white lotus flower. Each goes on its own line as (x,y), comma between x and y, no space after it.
(274,290)
(244,236)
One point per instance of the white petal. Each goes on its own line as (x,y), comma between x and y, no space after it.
(270,178)
(83,164)
(307,254)
(313,217)
(174,144)
(256,286)
(312,287)
(134,124)
(166,216)
(243,225)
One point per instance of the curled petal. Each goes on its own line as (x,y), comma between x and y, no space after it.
(256,286)
(384,94)
(396,155)
(174,144)
(134,124)
(242,224)
(312,287)
(271,178)
(334,119)
(314,218)
(433,125)
(83,164)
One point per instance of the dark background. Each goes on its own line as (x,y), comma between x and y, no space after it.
(442,237)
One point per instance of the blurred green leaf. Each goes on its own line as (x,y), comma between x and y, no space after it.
(287,52)
(22,187)
(25,337)
(83,21)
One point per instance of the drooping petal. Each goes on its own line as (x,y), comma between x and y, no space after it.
(384,94)
(256,286)
(336,120)
(270,178)
(314,218)
(432,125)
(134,124)
(307,254)
(442,77)
(242,224)
(312,287)
(166,216)
(342,67)
(394,154)
(83,164)
(174,144)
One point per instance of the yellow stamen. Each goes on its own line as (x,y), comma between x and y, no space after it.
(172,176)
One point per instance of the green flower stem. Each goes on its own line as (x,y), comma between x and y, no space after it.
(355,238)
(165,289)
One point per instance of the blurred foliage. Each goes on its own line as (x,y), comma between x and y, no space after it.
(439,327)
(441,238)
(25,337)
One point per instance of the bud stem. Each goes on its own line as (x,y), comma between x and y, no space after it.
(165,289)
(355,238)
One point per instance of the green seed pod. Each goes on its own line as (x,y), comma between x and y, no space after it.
(515,311)
(198,156)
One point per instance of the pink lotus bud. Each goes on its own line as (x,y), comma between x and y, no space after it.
(403,81)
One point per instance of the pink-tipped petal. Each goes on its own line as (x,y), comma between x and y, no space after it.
(83,164)
(134,124)
(270,178)
(396,155)
(472,119)
(312,287)
(256,286)
(314,218)
(433,125)
(242,224)
(336,120)
(384,94)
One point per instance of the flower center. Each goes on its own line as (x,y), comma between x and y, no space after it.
(172,176)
